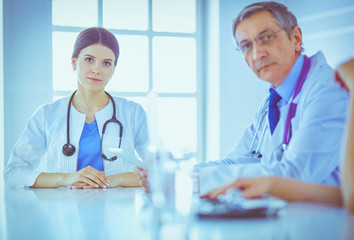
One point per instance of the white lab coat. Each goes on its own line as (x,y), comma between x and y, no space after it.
(45,134)
(314,150)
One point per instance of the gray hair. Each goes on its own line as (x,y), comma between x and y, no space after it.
(280,13)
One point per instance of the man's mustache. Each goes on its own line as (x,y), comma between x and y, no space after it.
(262,63)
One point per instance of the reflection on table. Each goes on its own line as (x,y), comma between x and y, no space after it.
(124,213)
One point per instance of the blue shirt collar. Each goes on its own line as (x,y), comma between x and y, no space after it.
(287,87)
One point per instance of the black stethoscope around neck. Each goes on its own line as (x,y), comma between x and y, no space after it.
(69,149)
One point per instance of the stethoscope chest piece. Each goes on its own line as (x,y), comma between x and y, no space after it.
(68,149)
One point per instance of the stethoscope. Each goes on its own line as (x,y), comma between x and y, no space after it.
(69,149)
(255,152)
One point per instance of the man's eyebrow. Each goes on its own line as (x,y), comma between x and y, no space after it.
(265,30)
(260,33)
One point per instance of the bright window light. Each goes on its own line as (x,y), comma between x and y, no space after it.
(174,16)
(125,14)
(157,51)
(63,76)
(174,64)
(177,119)
(78,13)
(132,71)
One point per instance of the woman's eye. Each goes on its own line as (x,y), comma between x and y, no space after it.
(107,63)
(88,59)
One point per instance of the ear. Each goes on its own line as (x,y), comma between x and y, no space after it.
(297,38)
(73,63)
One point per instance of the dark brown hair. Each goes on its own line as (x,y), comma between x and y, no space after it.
(96,35)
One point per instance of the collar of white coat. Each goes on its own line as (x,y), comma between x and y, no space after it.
(287,87)
(101,117)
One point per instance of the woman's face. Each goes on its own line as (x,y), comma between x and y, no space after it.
(94,67)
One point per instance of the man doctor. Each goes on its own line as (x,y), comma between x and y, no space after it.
(270,40)
(268,36)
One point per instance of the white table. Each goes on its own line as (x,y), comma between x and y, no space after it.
(119,214)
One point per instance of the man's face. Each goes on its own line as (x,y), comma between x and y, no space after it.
(272,59)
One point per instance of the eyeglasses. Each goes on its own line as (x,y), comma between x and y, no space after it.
(262,38)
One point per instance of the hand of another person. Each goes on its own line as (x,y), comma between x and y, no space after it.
(142,176)
(345,75)
(88,177)
(250,187)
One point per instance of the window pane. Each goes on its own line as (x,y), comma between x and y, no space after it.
(140,100)
(174,64)
(174,16)
(132,71)
(125,14)
(79,13)
(63,76)
(177,119)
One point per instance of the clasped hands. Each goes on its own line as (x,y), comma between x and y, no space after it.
(87,178)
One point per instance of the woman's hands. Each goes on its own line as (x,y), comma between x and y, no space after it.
(87,178)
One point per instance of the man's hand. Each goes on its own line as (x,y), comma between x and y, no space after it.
(250,187)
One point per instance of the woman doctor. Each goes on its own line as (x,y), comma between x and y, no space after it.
(67,134)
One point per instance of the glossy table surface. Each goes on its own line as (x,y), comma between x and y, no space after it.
(121,213)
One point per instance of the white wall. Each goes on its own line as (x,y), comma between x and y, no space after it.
(212,74)
(326,26)
(1,97)
(27,29)
(240,90)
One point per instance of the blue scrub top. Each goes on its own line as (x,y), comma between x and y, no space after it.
(90,148)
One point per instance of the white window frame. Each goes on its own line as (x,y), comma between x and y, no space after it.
(199,95)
